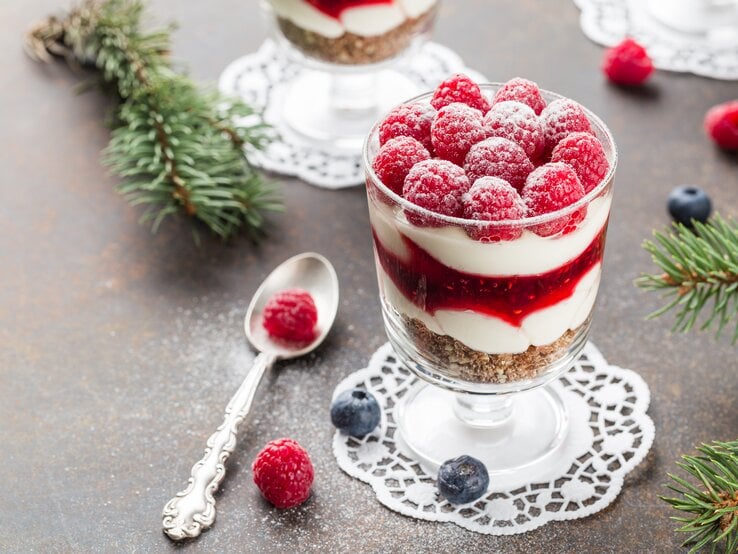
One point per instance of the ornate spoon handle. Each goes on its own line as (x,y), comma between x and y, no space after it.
(193,509)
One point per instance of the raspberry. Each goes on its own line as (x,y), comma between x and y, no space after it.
(394,160)
(561,118)
(459,88)
(291,315)
(284,473)
(517,122)
(721,124)
(408,120)
(493,199)
(521,90)
(437,186)
(498,157)
(627,63)
(455,129)
(549,188)
(584,153)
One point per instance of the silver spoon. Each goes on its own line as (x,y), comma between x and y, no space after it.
(193,509)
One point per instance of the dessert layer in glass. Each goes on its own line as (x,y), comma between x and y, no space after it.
(352,31)
(496,298)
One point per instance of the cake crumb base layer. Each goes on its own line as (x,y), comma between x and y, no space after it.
(471,365)
(350,48)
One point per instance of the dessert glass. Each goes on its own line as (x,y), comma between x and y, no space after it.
(713,20)
(486,325)
(346,51)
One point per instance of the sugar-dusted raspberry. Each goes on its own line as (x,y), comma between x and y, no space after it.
(394,160)
(521,90)
(408,120)
(561,118)
(498,157)
(291,315)
(517,122)
(549,188)
(721,124)
(456,128)
(493,199)
(284,473)
(459,88)
(437,186)
(627,63)
(584,153)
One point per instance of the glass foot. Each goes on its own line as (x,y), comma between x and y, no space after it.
(511,433)
(338,110)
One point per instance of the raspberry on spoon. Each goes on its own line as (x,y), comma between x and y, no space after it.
(291,315)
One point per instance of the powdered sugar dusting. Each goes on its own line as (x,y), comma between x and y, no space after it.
(584,153)
(561,118)
(498,157)
(408,120)
(517,122)
(455,129)
(436,185)
(521,90)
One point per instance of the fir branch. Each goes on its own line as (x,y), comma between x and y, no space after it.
(699,274)
(179,149)
(711,499)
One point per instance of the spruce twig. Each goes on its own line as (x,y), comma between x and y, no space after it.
(179,149)
(711,499)
(699,274)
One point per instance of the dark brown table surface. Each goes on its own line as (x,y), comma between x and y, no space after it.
(119,349)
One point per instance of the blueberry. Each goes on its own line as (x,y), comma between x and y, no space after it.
(355,412)
(462,480)
(687,203)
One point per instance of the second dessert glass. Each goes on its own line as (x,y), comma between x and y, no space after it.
(486,325)
(345,50)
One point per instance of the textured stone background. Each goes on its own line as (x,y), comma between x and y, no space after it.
(119,349)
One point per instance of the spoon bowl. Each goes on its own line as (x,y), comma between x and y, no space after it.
(309,271)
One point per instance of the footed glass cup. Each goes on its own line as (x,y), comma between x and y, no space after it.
(713,20)
(487,325)
(347,79)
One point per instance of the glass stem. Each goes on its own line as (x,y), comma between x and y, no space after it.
(354,95)
(484,411)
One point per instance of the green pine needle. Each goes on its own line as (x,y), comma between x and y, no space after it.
(179,149)
(712,501)
(700,275)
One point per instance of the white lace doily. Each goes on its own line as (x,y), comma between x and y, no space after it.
(261,77)
(610,434)
(607,22)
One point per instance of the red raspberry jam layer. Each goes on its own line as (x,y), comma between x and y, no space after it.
(431,285)
(334,8)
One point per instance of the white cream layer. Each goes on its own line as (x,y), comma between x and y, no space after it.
(528,255)
(494,336)
(366,21)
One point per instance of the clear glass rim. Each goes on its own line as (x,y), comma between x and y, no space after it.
(525,222)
